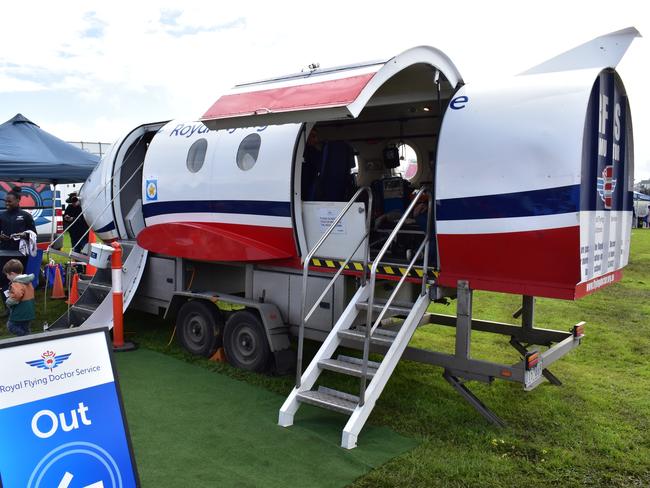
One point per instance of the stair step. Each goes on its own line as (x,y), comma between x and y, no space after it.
(355,335)
(100,286)
(330,399)
(85,278)
(79,256)
(98,283)
(85,308)
(401,308)
(85,284)
(379,331)
(348,365)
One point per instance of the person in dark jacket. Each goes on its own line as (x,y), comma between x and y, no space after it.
(76,224)
(14,223)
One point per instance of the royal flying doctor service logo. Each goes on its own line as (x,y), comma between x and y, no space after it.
(49,360)
(606,185)
(151,187)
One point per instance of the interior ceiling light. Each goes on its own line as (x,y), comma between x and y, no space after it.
(426,109)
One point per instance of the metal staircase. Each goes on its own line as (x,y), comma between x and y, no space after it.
(363,308)
(95,305)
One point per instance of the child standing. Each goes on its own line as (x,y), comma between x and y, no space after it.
(20,298)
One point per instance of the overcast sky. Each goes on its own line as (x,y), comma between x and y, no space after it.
(89,70)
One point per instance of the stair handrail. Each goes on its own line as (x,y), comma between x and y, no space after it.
(305,272)
(392,296)
(370,328)
(333,280)
(71,253)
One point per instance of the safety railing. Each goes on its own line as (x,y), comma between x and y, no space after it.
(305,272)
(424,246)
(85,257)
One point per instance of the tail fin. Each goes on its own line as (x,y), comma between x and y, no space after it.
(602,52)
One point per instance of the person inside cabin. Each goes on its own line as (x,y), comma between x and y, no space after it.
(312,158)
(326,170)
(76,224)
(17,237)
(420,212)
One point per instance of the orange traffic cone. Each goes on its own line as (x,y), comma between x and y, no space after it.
(74,291)
(219,356)
(57,289)
(91,270)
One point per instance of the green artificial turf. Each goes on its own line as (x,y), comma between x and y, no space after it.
(192,427)
(592,431)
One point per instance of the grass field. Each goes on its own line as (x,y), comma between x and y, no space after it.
(592,431)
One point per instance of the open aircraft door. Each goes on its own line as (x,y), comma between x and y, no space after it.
(535,175)
(330,94)
(351,94)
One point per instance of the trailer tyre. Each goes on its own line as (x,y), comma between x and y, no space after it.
(245,342)
(198,328)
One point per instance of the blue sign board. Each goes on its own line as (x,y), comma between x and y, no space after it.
(61,414)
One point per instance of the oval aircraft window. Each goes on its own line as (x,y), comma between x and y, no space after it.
(248,151)
(408,162)
(196,155)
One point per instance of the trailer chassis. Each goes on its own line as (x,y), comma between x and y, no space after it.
(531,370)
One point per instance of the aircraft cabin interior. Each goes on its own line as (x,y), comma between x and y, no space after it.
(391,148)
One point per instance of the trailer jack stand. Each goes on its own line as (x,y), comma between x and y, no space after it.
(472,399)
(523,350)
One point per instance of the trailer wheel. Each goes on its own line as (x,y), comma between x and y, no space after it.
(245,342)
(198,328)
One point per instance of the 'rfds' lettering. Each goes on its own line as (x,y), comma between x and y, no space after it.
(616,148)
(602,125)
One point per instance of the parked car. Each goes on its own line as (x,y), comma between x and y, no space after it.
(36,198)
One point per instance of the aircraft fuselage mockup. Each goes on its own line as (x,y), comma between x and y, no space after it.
(337,204)
(531,176)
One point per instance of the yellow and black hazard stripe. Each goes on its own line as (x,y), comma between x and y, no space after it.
(384,269)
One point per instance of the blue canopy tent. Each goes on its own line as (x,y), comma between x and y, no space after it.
(29,154)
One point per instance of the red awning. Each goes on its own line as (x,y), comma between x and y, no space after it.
(330,94)
(324,94)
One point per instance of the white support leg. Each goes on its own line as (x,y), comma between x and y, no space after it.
(348,440)
(285,419)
